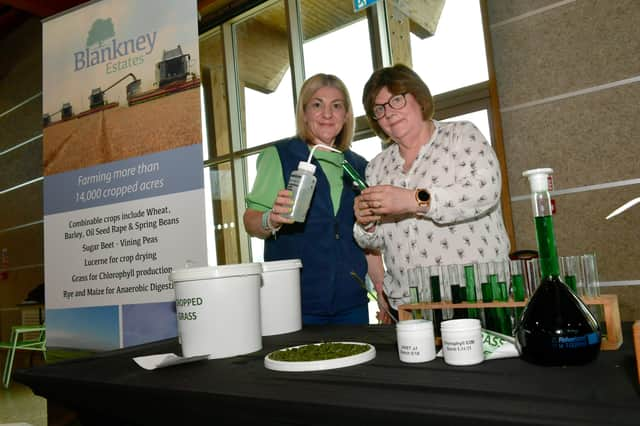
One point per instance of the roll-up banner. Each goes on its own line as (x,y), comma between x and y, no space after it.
(123,169)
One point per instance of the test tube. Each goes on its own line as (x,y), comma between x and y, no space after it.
(572,274)
(435,284)
(533,275)
(501,294)
(592,286)
(424,290)
(472,287)
(456,288)
(353,174)
(518,287)
(590,270)
(414,290)
(486,276)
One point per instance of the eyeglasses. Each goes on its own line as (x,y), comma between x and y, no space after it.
(396,102)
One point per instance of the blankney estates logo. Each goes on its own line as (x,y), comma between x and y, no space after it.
(103,47)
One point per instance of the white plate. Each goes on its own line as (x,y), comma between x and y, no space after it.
(324,364)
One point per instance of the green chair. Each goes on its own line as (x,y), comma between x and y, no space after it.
(21,340)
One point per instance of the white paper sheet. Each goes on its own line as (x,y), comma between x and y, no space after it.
(151,362)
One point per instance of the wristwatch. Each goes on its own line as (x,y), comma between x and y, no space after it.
(422,198)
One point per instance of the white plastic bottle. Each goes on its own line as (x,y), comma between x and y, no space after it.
(302,183)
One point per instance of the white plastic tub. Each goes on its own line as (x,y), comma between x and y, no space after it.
(416,342)
(462,341)
(280,299)
(218,309)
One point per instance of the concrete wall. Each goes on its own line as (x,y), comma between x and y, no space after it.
(568,75)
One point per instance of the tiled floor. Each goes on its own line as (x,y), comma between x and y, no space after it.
(19,405)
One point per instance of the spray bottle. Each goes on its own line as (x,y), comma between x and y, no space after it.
(302,183)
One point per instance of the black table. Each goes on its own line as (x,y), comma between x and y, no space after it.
(111,389)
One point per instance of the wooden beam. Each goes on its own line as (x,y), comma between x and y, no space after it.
(423,15)
(399,30)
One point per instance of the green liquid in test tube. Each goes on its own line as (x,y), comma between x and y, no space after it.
(495,292)
(517,283)
(414,297)
(353,174)
(503,314)
(470,285)
(487,296)
(571,281)
(434,280)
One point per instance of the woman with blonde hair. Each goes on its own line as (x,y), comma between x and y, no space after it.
(324,242)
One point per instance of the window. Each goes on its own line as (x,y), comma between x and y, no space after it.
(264,75)
(454,56)
(334,40)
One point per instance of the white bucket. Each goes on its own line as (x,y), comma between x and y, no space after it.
(218,309)
(280,299)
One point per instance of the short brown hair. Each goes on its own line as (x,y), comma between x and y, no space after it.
(397,79)
(311,86)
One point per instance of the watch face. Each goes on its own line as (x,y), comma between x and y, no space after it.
(423,195)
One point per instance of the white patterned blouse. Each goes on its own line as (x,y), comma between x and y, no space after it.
(464,224)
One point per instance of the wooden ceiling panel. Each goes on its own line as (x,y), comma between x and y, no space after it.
(323,16)
(263,55)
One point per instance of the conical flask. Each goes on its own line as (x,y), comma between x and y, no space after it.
(556,327)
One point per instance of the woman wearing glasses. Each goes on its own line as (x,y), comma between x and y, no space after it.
(324,242)
(434,192)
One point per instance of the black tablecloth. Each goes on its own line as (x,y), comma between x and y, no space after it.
(111,389)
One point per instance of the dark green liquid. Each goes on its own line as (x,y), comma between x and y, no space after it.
(458,296)
(489,313)
(557,328)
(436,297)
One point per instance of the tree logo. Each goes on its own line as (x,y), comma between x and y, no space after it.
(101,30)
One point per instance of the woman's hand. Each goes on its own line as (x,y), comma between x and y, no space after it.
(383,310)
(281,205)
(388,200)
(364,213)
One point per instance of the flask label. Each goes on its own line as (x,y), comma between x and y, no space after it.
(576,342)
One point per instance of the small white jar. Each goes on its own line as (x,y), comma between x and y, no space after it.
(462,341)
(415,341)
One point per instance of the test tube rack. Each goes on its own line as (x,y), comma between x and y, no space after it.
(611,339)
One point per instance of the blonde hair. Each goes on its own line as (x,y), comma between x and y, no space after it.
(309,88)
(397,79)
